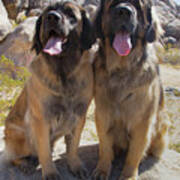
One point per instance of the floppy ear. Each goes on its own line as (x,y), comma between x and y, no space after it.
(154,30)
(88,34)
(36,45)
(151,29)
(98,21)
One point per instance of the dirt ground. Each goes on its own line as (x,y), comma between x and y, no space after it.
(170,76)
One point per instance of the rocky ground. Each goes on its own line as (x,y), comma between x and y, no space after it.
(168,168)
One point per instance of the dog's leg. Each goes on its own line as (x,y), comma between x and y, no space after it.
(139,141)
(72,142)
(17,149)
(40,132)
(106,153)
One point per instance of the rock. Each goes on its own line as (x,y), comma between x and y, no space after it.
(5,25)
(21,17)
(91,6)
(33,4)
(164,13)
(170,3)
(17,45)
(174,92)
(34,12)
(14,7)
(173,29)
(150,169)
(168,13)
(170,41)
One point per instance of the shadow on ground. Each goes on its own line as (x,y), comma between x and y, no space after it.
(150,168)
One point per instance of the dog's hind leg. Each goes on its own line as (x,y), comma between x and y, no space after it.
(160,140)
(17,152)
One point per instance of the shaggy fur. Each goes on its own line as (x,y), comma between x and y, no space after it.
(56,97)
(128,91)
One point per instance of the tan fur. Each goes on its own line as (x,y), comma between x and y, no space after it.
(129,101)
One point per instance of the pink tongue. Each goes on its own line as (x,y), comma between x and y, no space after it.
(53,46)
(122,44)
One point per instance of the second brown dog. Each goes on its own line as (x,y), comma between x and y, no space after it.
(128,90)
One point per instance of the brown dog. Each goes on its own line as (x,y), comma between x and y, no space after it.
(128,91)
(56,97)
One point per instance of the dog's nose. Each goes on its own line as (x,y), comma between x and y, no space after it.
(54,16)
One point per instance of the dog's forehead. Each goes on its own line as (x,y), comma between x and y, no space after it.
(74,8)
(132,2)
(63,6)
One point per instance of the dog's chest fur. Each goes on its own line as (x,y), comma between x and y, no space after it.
(125,92)
(65,99)
(64,109)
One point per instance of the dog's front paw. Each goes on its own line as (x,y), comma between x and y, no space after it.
(78,169)
(54,176)
(81,172)
(128,178)
(26,165)
(100,175)
(129,173)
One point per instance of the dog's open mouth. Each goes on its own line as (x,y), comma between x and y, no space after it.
(54,44)
(122,43)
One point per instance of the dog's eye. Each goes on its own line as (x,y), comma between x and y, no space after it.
(117,2)
(71,15)
(114,4)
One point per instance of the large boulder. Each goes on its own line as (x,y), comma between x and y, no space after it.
(5,25)
(17,45)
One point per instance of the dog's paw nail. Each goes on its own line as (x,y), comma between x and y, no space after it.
(127,178)
(82,173)
(55,176)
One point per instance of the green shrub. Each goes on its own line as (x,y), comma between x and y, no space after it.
(12,78)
